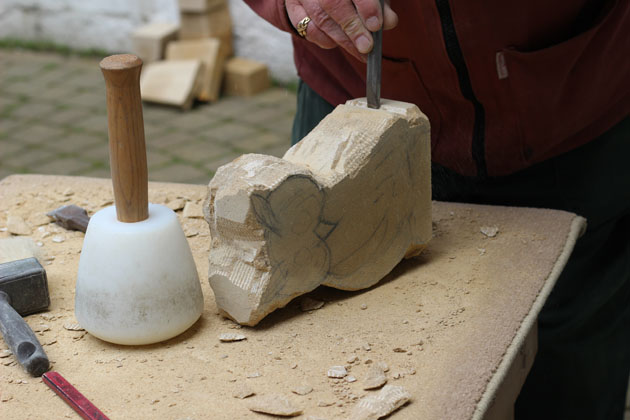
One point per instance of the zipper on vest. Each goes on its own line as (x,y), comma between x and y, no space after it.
(454,51)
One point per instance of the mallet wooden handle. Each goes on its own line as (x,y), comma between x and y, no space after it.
(127,150)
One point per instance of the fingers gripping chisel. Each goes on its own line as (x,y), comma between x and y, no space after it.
(373,78)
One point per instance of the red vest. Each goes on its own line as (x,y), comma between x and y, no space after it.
(505,84)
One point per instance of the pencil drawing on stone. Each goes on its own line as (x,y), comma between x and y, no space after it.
(341,209)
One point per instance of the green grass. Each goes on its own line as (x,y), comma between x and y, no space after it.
(290,86)
(8,109)
(49,46)
(50,66)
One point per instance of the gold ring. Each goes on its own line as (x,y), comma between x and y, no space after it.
(301,27)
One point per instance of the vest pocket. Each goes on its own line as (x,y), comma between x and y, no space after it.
(557,91)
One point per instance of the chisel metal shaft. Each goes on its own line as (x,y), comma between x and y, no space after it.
(373,76)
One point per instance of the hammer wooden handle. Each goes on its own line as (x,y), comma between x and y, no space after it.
(127,150)
(21,339)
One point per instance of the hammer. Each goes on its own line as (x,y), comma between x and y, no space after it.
(23,291)
(137,281)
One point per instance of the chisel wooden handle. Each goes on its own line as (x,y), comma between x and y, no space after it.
(127,150)
(21,339)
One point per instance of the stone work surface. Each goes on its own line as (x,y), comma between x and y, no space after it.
(341,209)
(53,120)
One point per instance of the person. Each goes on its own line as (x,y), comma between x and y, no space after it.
(529,105)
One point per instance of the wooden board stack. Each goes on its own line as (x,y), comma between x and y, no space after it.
(211,53)
(173,83)
(194,66)
(201,19)
(149,41)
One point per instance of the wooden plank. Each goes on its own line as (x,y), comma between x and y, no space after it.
(211,53)
(149,41)
(200,6)
(213,24)
(175,82)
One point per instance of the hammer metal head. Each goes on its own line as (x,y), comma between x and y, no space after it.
(24,281)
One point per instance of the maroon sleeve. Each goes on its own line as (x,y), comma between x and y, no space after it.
(272,11)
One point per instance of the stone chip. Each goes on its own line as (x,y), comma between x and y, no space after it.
(309,304)
(337,372)
(388,400)
(231,337)
(275,404)
(490,231)
(193,211)
(176,204)
(302,389)
(73,326)
(375,378)
(17,226)
(243,392)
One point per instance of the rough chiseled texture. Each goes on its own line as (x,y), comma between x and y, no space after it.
(341,208)
(388,400)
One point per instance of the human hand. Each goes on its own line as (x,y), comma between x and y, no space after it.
(345,23)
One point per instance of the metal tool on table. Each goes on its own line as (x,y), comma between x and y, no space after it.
(373,76)
(73,397)
(137,281)
(71,217)
(23,291)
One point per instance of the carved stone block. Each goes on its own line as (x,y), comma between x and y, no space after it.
(341,209)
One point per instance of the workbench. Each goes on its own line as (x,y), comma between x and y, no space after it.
(456,326)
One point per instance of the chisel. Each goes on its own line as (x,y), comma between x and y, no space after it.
(373,77)
(72,396)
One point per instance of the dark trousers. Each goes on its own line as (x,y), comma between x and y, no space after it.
(582,366)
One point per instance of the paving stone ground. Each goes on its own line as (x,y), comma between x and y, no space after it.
(53,120)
